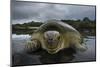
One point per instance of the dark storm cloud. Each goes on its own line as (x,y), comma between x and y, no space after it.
(28,11)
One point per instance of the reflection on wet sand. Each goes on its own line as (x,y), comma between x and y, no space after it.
(42,57)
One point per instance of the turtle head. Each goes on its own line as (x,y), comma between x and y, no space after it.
(52,40)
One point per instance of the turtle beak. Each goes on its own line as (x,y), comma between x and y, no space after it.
(50,41)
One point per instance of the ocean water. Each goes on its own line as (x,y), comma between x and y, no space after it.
(20,57)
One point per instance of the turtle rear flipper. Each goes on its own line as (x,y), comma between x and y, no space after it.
(81,47)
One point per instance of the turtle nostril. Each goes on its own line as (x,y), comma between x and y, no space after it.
(51,39)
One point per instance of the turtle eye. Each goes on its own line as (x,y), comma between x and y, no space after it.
(59,38)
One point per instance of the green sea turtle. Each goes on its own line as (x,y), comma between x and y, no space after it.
(54,36)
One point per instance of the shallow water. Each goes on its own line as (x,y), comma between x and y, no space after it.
(20,57)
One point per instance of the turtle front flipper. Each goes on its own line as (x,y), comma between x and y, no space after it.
(32,45)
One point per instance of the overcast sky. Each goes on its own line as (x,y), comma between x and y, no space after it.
(23,12)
